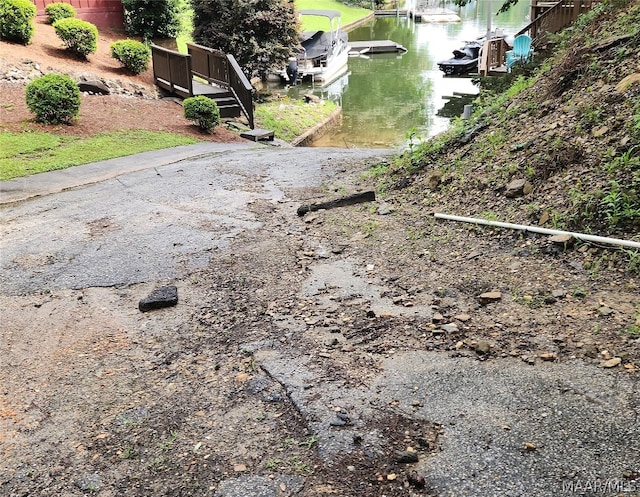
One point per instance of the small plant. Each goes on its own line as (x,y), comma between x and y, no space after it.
(16,20)
(80,37)
(203,111)
(53,98)
(59,10)
(133,55)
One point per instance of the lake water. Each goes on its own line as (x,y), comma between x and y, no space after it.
(386,96)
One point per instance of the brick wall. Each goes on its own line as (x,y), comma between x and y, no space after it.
(102,13)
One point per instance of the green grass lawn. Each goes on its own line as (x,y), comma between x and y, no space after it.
(23,154)
(290,118)
(348,14)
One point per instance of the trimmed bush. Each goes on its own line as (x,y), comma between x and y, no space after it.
(203,111)
(53,98)
(59,10)
(132,54)
(16,20)
(80,37)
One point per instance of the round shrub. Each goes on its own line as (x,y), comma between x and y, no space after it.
(132,54)
(203,111)
(80,37)
(53,98)
(59,10)
(16,20)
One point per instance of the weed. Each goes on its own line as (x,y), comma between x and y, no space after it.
(633,330)
(167,444)
(579,292)
(310,442)
(128,452)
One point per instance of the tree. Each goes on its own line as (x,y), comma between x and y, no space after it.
(151,18)
(260,34)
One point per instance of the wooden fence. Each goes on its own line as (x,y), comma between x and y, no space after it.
(552,17)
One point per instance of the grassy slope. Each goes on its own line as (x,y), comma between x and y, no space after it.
(348,14)
(22,154)
(571,129)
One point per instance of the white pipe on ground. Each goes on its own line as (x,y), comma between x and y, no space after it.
(544,231)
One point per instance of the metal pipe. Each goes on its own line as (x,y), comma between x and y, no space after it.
(544,231)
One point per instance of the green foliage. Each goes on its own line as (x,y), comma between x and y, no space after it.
(53,98)
(28,153)
(260,34)
(80,37)
(16,20)
(203,111)
(133,55)
(621,204)
(59,10)
(152,18)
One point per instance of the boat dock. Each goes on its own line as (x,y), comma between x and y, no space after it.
(374,46)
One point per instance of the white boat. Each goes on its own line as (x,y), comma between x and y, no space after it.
(322,55)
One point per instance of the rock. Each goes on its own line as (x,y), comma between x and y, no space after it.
(605,311)
(489,297)
(483,347)
(94,86)
(89,483)
(548,356)
(165,296)
(518,188)
(407,457)
(449,327)
(311,98)
(601,131)
(565,240)
(628,81)
(559,294)
(415,480)
(434,178)
(384,210)
(462,317)
(611,363)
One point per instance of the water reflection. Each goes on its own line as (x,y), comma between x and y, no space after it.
(386,96)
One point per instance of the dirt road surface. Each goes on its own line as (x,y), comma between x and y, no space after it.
(326,355)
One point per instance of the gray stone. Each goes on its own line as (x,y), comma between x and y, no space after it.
(449,327)
(94,86)
(165,296)
(89,482)
(483,347)
(518,188)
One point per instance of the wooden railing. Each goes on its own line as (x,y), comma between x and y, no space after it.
(174,72)
(493,55)
(223,70)
(241,88)
(552,17)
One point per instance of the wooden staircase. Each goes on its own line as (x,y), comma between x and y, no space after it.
(208,72)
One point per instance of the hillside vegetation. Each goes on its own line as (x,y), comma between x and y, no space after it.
(570,128)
